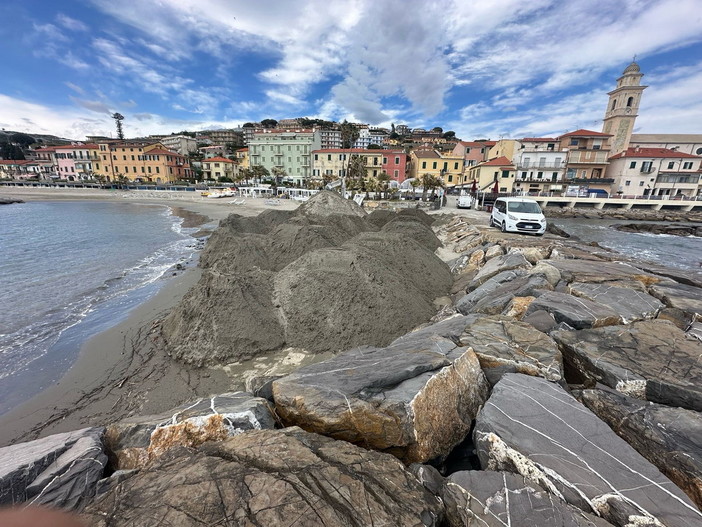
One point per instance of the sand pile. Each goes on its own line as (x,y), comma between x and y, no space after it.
(323,278)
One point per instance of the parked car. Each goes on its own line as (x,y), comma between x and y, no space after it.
(518,215)
(465,201)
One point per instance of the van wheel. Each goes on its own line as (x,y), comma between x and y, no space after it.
(491,223)
(504,226)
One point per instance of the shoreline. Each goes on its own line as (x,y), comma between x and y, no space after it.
(101,384)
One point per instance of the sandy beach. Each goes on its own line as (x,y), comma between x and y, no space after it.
(123,370)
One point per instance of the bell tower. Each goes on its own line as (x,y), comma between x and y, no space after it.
(623,108)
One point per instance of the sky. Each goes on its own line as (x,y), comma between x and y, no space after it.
(484,69)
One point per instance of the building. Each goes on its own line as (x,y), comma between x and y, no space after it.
(330,138)
(211,151)
(330,164)
(141,162)
(623,108)
(402,129)
(587,159)
(395,164)
(644,172)
(218,168)
(20,169)
(241,156)
(503,148)
(500,170)
(448,168)
(687,143)
(182,144)
(77,162)
(540,165)
(289,150)
(473,152)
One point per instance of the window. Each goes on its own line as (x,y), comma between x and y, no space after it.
(542,161)
(614,104)
(328,157)
(630,102)
(583,173)
(641,183)
(627,183)
(385,161)
(671,164)
(633,164)
(433,165)
(316,157)
(132,158)
(424,164)
(687,165)
(124,158)
(396,173)
(526,162)
(142,170)
(597,144)
(698,151)
(450,178)
(158,170)
(455,166)
(574,142)
(647,166)
(397,160)
(540,175)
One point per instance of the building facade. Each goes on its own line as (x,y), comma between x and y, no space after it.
(448,168)
(181,144)
(587,159)
(540,165)
(289,150)
(499,172)
(140,162)
(395,164)
(330,164)
(217,168)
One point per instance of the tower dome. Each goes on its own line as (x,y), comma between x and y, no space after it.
(632,68)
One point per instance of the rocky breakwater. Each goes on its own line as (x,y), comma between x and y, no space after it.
(9,201)
(623,214)
(658,228)
(565,381)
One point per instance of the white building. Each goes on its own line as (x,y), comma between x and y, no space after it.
(540,165)
(182,144)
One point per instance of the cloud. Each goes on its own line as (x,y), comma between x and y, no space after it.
(75,87)
(93,106)
(70,23)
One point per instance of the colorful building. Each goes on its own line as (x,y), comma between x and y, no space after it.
(289,150)
(540,165)
(395,164)
(77,162)
(587,159)
(141,162)
(219,167)
(448,168)
(500,171)
(332,163)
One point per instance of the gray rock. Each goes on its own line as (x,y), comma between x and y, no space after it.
(535,428)
(465,304)
(493,252)
(683,276)
(136,441)
(117,477)
(497,499)
(59,470)
(651,360)
(629,303)
(271,478)
(416,398)
(687,298)
(541,320)
(577,312)
(498,300)
(552,274)
(499,264)
(600,271)
(501,342)
(670,438)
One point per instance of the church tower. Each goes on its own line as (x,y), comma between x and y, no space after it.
(623,108)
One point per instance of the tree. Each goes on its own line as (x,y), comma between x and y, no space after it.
(248,125)
(383,183)
(373,146)
(357,168)
(21,139)
(118,117)
(414,183)
(437,129)
(449,135)
(258,172)
(394,135)
(279,174)
(269,123)
(349,134)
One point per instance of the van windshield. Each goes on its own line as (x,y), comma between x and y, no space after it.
(526,207)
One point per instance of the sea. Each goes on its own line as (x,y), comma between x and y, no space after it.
(72,269)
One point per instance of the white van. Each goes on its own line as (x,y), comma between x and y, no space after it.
(518,215)
(465,201)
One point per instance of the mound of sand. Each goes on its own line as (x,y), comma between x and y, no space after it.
(322,278)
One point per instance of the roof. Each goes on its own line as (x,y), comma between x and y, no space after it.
(245,149)
(585,133)
(163,152)
(666,138)
(428,153)
(89,146)
(632,68)
(538,140)
(217,159)
(15,162)
(477,143)
(652,152)
(497,162)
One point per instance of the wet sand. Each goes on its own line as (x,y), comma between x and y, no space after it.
(124,370)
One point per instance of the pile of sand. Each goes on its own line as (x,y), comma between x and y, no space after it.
(321,278)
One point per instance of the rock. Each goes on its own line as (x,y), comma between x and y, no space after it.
(554,229)
(499,341)
(136,441)
(497,265)
(415,398)
(541,320)
(518,306)
(576,312)
(477,257)
(587,271)
(683,276)
(670,438)
(534,428)
(9,201)
(269,477)
(533,254)
(687,298)
(467,302)
(462,282)
(105,484)
(629,303)
(498,300)
(59,471)
(552,274)
(497,499)
(651,360)
(658,228)
(493,252)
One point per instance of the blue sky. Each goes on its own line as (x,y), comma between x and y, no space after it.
(497,68)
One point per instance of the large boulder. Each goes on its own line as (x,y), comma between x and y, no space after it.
(600,271)
(578,313)
(687,298)
(136,441)
(497,301)
(497,499)
(535,428)
(503,344)
(59,471)
(651,360)
(670,438)
(415,398)
(507,262)
(269,477)
(630,303)
(466,303)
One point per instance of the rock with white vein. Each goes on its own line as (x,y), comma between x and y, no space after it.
(628,302)
(60,470)
(136,441)
(535,428)
(578,313)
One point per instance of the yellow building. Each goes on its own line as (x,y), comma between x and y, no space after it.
(141,162)
(334,162)
(447,167)
(504,148)
(500,170)
(219,167)
(242,158)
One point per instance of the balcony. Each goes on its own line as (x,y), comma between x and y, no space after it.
(547,167)
(588,157)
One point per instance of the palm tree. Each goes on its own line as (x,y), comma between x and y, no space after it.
(414,183)
(259,172)
(384,182)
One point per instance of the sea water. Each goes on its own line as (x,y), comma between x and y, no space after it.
(680,252)
(69,270)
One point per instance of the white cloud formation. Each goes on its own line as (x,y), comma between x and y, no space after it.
(70,23)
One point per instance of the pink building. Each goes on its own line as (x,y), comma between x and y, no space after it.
(473,152)
(395,164)
(75,161)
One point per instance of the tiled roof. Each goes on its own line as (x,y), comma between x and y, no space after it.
(538,140)
(17,162)
(497,162)
(349,151)
(652,152)
(427,153)
(217,159)
(163,152)
(77,147)
(245,149)
(585,133)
